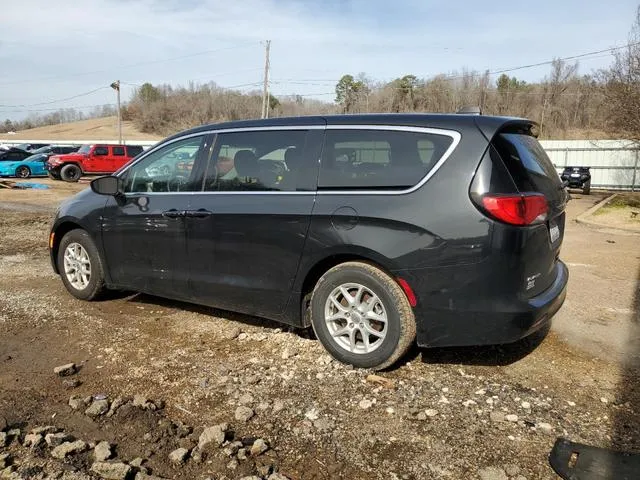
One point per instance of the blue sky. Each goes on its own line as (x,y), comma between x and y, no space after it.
(54,50)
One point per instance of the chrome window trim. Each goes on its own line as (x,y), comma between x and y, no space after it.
(453,134)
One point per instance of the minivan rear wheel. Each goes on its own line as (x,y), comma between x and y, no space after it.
(362,316)
(80,265)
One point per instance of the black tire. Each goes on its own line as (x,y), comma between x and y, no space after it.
(70,173)
(95,286)
(586,188)
(401,325)
(23,172)
(53,175)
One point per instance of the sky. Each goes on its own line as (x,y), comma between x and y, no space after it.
(53,50)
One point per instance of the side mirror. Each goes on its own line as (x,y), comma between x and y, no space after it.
(108,185)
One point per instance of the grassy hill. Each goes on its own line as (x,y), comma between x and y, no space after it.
(105,128)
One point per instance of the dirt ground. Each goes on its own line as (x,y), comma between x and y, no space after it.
(104,128)
(487,413)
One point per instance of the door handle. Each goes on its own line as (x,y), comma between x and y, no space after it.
(200,213)
(173,213)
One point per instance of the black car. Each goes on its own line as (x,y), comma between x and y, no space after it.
(31,147)
(577,177)
(376,230)
(14,154)
(56,149)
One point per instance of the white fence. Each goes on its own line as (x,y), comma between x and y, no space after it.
(614,163)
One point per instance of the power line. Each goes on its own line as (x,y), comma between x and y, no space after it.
(55,109)
(132,65)
(56,101)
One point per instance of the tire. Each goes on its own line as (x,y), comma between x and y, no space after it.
(586,188)
(23,172)
(400,330)
(53,176)
(70,173)
(78,246)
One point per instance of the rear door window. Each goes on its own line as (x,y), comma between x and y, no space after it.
(118,151)
(384,159)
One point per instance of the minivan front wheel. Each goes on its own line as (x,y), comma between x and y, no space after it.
(362,316)
(80,265)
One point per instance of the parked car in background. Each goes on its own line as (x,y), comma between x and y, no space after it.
(32,166)
(57,149)
(382,229)
(29,147)
(90,160)
(577,177)
(13,154)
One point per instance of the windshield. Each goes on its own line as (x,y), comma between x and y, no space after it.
(84,149)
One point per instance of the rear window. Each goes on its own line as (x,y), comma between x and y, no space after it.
(378,158)
(527,162)
(133,150)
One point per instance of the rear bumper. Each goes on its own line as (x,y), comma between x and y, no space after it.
(509,322)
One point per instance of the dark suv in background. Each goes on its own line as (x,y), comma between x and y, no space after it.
(577,177)
(376,230)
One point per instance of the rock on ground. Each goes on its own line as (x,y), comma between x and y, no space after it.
(97,408)
(45,430)
(244,414)
(67,448)
(65,370)
(145,476)
(77,403)
(32,440)
(5,459)
(277,476)
(102,452)
(213,435)
(115,405)
(4,439)
(111,471)
(55,439)
(179,456)
(492,473)
(259,447)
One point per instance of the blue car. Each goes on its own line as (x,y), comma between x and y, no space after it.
(32,166)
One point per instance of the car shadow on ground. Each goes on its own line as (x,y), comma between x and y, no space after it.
(143,298)
(491,355)
(487,355)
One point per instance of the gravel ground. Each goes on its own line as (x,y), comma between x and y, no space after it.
(181,391)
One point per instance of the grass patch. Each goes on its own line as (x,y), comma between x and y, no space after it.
(624,201)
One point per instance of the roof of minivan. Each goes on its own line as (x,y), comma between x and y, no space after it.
(487,124)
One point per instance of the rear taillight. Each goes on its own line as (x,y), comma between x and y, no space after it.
(517,209)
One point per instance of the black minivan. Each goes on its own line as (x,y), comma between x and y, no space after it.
(376,230)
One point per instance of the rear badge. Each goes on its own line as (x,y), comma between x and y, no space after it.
(531,281)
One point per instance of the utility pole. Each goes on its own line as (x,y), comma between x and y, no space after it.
(265,91)
(116,86)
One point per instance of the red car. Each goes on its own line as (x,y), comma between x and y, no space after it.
(90,160)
